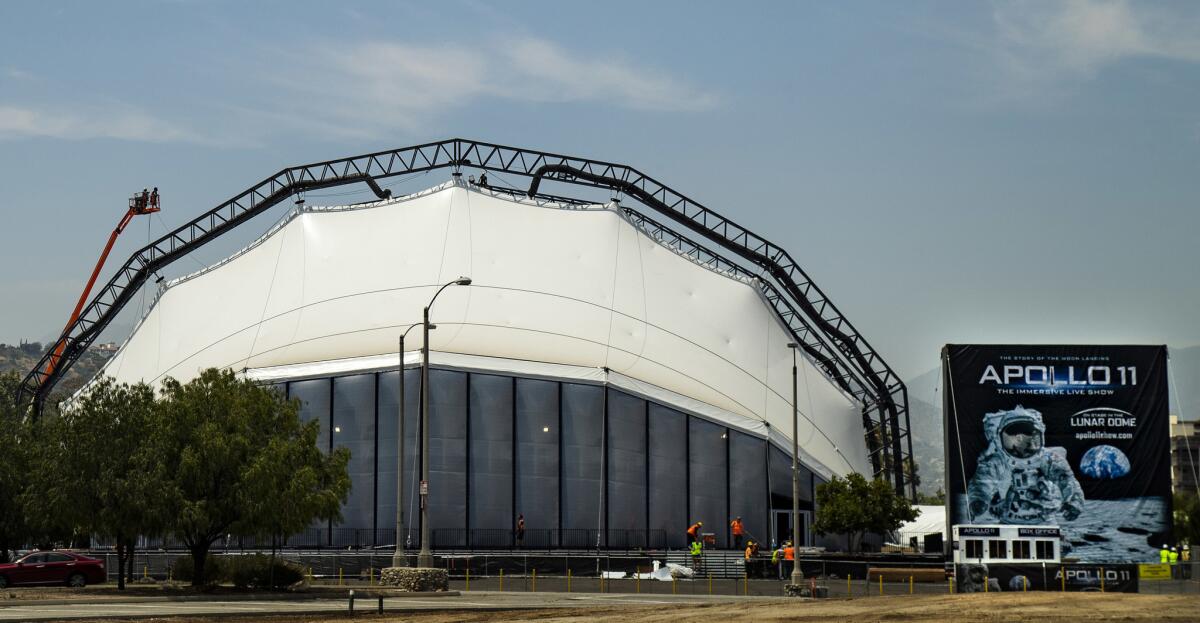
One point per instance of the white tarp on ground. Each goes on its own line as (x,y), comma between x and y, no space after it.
(554,285)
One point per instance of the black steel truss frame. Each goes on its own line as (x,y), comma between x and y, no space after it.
(880,389)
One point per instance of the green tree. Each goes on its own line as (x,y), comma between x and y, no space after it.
(1187,519)
(855,506)
(239,461)
(14,450)
(98,467)
(936,499)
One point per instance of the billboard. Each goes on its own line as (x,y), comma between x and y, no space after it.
(1075,436)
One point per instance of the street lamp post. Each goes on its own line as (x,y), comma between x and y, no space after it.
(425,558)
(399,559)
(797,575)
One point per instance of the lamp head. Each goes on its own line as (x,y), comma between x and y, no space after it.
(462,281)
(792,345)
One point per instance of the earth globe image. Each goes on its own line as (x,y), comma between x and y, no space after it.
(1104,462)
(1018,583)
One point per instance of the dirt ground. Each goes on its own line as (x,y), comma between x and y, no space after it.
(978,608)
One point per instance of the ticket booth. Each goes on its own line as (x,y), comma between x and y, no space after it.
(1004,558)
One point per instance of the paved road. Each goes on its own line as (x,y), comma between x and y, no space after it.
(468,601)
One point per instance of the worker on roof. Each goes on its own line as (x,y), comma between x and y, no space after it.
(736,528)
(693,532)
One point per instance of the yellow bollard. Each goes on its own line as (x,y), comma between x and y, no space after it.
(535,580)
(146,572)
(673,587)
(1101,579)
(849,591)
(910,585)
(710,583)
(985,583)
(1024,584)
(881,584)
(339,576)
(950,581)
(371,576)
(502,580)
(568,579)
(637,573)
(1062,573)
(468,578)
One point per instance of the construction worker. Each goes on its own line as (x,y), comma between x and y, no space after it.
(735,527)
(789,558)
(1173,558)
(693,532)
(695,548)
(751,554)
(775,554)
(1164,555)
(521,530)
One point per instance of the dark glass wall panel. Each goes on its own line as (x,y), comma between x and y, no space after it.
(448,457)
(389,392)
(314,405)
(781,481)
(668,474)
(537,459)
(354,429)
(706,477)
(314,399)
(491,462)
(747,486)
(626,470)
(583,417)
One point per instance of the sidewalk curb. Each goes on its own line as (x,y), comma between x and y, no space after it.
(323,594)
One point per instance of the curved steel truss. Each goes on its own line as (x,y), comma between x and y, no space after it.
(827,336)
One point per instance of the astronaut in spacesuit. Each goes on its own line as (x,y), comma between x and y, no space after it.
(1017,479)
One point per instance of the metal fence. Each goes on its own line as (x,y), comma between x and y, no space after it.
(442,539)
(718,573)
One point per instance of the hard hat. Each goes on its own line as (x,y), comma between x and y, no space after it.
(1172,549)
(1164,546)
(701,523)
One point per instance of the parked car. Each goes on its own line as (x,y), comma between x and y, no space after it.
(69,568)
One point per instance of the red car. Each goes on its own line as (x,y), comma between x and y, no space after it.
(68,568)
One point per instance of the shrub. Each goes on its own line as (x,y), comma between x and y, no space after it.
(260,571)
(183,571)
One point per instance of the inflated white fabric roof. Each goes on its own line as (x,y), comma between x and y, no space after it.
(330,289)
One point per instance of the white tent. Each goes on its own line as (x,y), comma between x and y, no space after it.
(558,291)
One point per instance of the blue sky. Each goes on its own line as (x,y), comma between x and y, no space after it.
(946,171)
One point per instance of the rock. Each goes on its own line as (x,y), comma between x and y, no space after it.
(415,580)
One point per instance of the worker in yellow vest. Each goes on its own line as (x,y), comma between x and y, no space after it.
(1164,555)
(1174,559)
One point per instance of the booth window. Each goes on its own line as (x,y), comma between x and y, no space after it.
(1045,550)
(1021,550)
(997,549)
(974,548)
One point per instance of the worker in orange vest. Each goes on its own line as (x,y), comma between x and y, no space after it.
(693,533)
(789,558)
(735,527)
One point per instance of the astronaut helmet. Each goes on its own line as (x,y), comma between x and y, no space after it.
(1020,432)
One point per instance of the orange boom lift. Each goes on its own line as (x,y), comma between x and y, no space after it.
(145,202)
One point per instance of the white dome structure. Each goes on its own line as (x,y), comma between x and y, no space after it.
(607,381)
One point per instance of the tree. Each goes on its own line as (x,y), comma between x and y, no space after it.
(239,461)
(97,468)
(854,506)
(1187,518)
(936,499)
(14,450)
